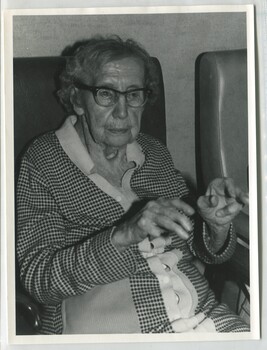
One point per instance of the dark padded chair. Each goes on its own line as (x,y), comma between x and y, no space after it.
(222,142)
(36,111)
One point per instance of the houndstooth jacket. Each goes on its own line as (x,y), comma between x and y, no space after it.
(64,230)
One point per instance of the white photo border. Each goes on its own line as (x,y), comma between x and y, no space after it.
(7,178)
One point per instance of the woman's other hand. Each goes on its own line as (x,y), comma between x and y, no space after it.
(221,203)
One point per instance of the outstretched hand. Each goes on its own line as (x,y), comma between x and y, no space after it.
(222,201)
(221,204)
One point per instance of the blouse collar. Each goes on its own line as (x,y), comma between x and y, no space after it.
(78,153)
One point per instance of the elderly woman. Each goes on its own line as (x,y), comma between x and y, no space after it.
(106,239)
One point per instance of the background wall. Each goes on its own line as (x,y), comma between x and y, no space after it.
(176,39)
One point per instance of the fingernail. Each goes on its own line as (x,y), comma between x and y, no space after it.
(186,235)
(191,211)
(188,227)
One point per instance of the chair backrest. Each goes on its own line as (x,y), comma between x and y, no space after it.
(37,110)
(222,123)
(223,116)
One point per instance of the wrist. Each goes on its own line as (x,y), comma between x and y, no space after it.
(216,236)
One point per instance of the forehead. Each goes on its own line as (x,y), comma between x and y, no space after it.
(128,68)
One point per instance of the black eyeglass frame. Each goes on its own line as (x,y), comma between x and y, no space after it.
(95,89)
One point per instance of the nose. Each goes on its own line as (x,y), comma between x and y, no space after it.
(121,108)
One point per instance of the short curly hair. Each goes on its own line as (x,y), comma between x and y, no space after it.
(87,57)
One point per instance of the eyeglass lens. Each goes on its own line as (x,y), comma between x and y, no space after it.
(107,97)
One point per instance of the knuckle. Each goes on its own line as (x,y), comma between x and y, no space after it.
(175,201)
(163,201)
(151,204)
(142,222)
(155,232)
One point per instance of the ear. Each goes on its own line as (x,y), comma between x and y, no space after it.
(75,100)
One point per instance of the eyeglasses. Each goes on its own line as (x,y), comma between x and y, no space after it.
(107,97)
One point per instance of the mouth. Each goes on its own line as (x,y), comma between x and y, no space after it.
(118,131)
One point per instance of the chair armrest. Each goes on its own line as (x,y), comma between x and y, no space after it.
(241,224)
(239,263)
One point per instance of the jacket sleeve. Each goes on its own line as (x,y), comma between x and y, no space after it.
(199,246)
(50,268)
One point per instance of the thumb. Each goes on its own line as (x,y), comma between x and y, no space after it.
(231,209)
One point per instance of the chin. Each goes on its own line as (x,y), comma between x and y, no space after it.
(120,140)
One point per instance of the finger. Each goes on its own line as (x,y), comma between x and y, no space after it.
(179,204)
(216,186)
(175,216)
(186,324)
(167,224)
(226,186)
(242,197)
(222,186)
(231,209)
(233,191)
(149,227)
(159,242)
(230,188)
(236,192)
(176,203)
(205,202)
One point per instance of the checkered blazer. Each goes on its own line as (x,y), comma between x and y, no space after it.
(64,227)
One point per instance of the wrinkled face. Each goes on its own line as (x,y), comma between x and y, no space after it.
(117,125)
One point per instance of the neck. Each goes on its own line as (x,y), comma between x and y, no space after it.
(109,162)
(98,151)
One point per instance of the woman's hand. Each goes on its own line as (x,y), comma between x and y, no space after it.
(219,206)
(157,216)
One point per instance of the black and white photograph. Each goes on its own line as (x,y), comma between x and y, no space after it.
(133,187)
